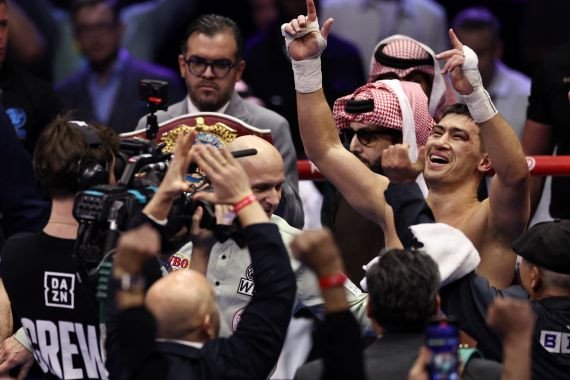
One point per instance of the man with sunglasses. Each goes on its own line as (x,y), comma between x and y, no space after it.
(211,63)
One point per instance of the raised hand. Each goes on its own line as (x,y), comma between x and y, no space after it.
(397,166)
(419,369)
(318,251)
(461,65)
(303,38)
(134,248)
(512,318)
(174,181)
(229,180)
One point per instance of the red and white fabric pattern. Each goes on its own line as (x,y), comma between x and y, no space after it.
(403,47)
(387,111)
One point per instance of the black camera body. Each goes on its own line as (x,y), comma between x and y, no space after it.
(154,92)
(104,211)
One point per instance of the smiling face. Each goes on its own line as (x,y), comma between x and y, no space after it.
(454,152)
(208,92)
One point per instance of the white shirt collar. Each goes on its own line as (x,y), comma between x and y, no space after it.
(183,342)
(193,109)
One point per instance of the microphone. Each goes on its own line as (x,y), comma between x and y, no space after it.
(236,153)
(244,153)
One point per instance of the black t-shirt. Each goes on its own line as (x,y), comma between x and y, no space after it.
(549,104)
(58,311)
(469,298)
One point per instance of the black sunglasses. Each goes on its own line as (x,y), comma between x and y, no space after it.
(365,135)
(220,67)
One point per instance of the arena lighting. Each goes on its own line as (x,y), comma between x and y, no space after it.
(538,166)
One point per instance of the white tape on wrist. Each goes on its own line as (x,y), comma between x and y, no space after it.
(480,105)
(307,73)
(479,101)
(21,337)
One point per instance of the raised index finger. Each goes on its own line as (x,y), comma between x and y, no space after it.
(454,40)
(311,11)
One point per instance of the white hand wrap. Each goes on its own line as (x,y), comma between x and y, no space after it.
(21,337)
(307,73)
(479,102)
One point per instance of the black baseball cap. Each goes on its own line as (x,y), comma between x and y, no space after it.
(547,245)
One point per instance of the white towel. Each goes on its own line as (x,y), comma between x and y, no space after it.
(454,253)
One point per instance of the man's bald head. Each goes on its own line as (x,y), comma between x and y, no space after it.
(184,306)
(266,170)
(266,153)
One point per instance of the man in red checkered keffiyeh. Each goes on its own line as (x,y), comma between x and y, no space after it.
(402,57)
(382,108)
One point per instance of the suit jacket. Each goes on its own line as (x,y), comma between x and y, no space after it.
(291,209)
(392,356)
(254,115)
(254,348)
(128,107)
(389,357)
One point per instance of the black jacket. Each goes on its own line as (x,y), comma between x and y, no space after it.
(250,353)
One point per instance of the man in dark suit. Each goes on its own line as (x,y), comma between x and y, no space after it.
(106,90)
(211,63)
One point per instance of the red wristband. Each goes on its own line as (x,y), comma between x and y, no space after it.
(337,279)
(246,201)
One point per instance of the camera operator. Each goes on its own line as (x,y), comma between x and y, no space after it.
(182,304)
(56,306)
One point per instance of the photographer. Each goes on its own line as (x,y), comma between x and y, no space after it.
(182,305)
(57,306)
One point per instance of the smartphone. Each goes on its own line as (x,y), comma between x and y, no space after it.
(442,339)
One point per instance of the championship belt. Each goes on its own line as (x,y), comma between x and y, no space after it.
(213,128)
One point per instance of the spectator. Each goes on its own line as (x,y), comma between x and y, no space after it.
(29,102)
(546,125)
(106,91)
(423,20)
(401,57)
(268,69)
(479,29)
(148,27)
(21,204)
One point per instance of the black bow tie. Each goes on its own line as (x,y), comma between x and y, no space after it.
(225,232)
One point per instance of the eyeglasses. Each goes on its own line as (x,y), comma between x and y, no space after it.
(220,67)
(98,28)
(367,136)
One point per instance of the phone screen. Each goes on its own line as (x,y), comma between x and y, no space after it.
(442,338)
